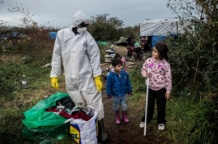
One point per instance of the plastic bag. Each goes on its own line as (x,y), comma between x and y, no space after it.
(82,131)
(46,133)
(38,117)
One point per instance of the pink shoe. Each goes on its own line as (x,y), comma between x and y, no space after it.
(125,119)
(117,121)
(117,118)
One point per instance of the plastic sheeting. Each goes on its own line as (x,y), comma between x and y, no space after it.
(156,39)
(37,116)
(161,27)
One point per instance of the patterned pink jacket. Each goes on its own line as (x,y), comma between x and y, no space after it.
(160,74)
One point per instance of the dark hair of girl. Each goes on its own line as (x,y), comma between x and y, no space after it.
(162,50)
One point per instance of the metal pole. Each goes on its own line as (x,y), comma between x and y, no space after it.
(146,103)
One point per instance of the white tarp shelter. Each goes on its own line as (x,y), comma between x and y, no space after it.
(161,27)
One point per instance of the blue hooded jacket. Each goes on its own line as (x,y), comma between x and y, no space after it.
(118,84)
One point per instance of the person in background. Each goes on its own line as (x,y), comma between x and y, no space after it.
(77,50)
(131,40)
(130,44)
(157,68)
(118,86)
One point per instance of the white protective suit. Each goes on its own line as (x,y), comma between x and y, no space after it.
(81,62)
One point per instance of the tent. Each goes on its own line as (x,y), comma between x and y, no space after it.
(160,29)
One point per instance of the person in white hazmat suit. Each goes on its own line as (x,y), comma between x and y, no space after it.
(77,50)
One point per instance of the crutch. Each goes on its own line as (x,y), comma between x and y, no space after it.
(146,103)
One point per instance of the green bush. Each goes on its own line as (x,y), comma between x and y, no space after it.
(10,79)
(193,57)
(137,81)
(110,29)
(188,120)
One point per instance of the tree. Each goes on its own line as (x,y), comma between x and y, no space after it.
(199,58)
(107,29)
(27,20)
(110,29)
(194,60)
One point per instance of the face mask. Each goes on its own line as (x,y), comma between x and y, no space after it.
(82,30)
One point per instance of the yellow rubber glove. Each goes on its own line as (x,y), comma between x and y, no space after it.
(54,82)
(98,83)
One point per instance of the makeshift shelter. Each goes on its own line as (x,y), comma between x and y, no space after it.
(160,29)
(122,41)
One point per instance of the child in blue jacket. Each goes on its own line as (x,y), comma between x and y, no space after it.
(118,86)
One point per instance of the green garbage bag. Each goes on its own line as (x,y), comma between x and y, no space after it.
(38,117)
(46,133)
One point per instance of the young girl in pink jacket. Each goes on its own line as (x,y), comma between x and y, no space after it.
(160,83)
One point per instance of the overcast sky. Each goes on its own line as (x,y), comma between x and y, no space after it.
(59,12)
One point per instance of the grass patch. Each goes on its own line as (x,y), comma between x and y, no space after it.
(187,120)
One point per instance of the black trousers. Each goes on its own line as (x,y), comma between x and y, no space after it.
(161,105)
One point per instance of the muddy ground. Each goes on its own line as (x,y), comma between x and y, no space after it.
(131,133)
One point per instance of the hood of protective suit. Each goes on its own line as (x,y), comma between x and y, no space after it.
(79,17)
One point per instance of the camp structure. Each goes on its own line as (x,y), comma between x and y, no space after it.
(159,29)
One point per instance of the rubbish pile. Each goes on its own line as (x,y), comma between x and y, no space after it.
(56,117)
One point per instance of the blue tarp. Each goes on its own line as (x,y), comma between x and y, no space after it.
(155,39)
(52,35)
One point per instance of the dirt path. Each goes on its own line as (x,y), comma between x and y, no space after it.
(130,133)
